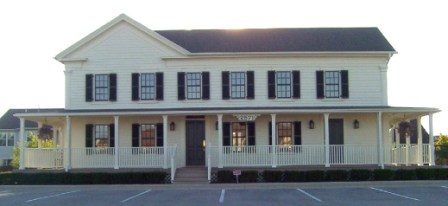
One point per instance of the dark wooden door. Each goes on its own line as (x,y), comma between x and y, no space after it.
(195,135)
(336,138)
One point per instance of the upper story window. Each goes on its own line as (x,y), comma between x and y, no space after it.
(147,135)
(283,84)
(194,85)
(238,85)
(147,86)
(101,87)
(332,84)
(7,139)
(100,135)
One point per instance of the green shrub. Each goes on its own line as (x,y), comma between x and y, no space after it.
(294,176)
(404,174)
(336,175)
(424,174)
(383,174)
(272,175)
(440,174)
(314,176)
(225,176)
(360,174)
(248,176)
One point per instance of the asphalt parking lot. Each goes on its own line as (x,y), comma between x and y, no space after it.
(361,193)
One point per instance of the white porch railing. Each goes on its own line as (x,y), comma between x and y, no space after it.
(353,154)
(141,157)
(43,158)
(93,157)
(405,155)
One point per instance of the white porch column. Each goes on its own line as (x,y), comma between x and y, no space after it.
(116,145)
(380,141)
(68,144)
(432,161)
(419,142)
(274,143)
(220,140)
(165,141)
(327,139)
(408,148)
(22,144)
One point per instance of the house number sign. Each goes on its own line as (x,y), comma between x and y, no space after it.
(246,117)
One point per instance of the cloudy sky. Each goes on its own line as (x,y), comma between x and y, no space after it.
(33,32)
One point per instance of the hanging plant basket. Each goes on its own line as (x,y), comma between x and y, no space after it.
(45,132)
(405,128)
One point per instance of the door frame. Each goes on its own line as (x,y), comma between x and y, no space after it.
(187,138)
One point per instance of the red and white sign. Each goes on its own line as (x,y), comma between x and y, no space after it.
(236,172)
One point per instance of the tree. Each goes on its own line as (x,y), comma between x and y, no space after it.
(441,146)
(33,142)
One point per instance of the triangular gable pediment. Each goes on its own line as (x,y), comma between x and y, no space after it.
(121,18)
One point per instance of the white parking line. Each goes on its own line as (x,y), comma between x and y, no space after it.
(221,198)
(139,194)
(309,195)
(403,196)
(444,187)
(50,196)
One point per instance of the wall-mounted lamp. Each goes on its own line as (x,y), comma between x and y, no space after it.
(356,124)
(172,126)
(311,124)
(216,125)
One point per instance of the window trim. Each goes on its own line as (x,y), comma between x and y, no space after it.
(141,136)
(188,85)
(95,87)
(277,85)
(291,130)
(339,84)
(94,138)
(154,86)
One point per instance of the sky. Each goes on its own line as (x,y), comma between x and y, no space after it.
(33,32)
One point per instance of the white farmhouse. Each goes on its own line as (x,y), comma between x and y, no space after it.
(138,98)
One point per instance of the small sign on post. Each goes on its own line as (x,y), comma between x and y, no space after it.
(237,173)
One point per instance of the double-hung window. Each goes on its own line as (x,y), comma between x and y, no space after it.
(193,85)
(101,87)
(147,135)
(284,130)
(288,134)
(147,86)
(283,84)
(100,135)
(332,84)
(238,85)
(238,135)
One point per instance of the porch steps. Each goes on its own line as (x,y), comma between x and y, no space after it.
(191,175)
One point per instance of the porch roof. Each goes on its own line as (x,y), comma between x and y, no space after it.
(228,110)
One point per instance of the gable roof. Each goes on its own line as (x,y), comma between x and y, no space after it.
(121,18)
(253,40)
(9,121)
(281,40)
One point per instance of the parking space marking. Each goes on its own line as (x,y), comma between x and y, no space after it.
(137,195)
(309,195)
(444,187)
(403,196)
(51,196)
(221,198)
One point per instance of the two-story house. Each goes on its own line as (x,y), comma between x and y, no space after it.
(137,98)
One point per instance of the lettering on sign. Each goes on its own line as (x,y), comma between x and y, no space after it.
(246,117)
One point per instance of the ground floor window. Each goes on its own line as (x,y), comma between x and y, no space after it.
(7,139)
(284,131)
(101,135)
(148,135)
(239,134)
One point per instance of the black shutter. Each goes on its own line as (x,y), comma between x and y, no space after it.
(205,85)
(89,87)
(159,135)
(225,85)
(135,135)
(270,133)
(89,135)
(226,134)
(113,87)
(296,84)
(181,85)
(250,85)
(271,84)
(344,85)
(135,86)
(159,86)
(111,135)
(251,133)
(320,84)
(297,133)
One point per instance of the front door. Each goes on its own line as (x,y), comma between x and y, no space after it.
(195,135)
(337,140)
